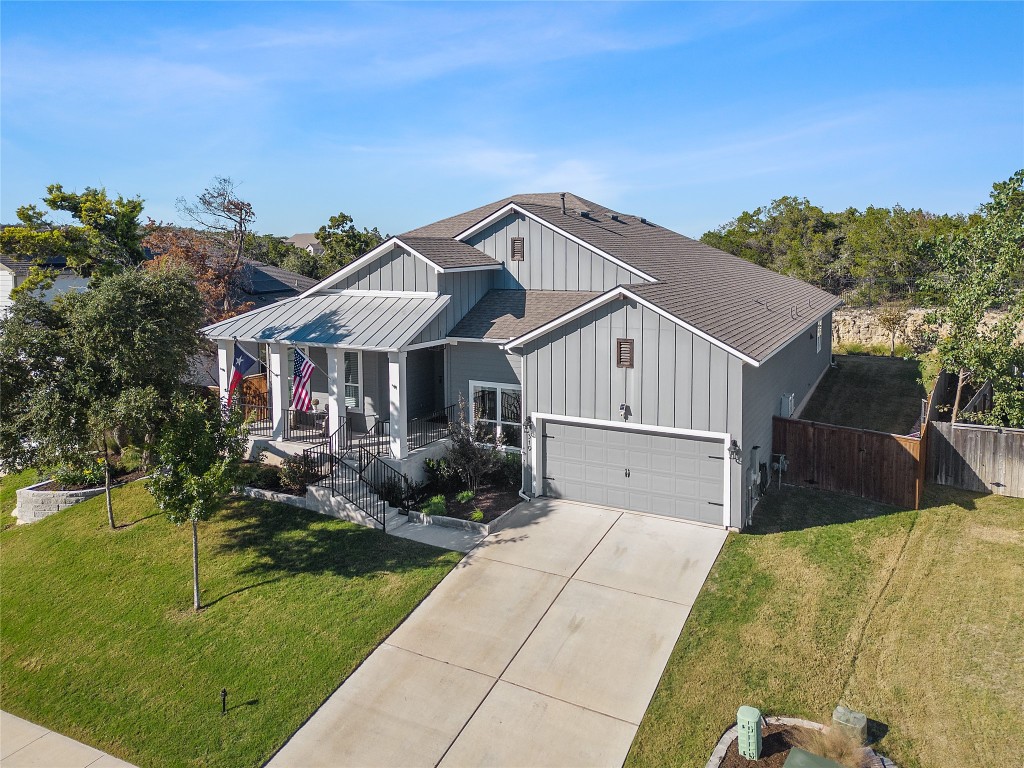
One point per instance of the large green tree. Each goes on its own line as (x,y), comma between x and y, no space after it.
(199,453)
(103,235)
(343,242)
(981,267)
(95,370)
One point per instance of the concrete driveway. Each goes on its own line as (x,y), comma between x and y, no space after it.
(543,648)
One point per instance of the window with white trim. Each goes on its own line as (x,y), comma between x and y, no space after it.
(497,410)
(821,325)
(353,383)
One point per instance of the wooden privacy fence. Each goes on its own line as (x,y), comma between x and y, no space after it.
(874,465)
(977,458)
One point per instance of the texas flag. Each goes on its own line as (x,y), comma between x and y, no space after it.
(243,362)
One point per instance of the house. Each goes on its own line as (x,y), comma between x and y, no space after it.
(14,270)
(630,366)
(306,241)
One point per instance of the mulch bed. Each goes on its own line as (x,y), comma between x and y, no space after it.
(775,746)
(493,502)
(115,479)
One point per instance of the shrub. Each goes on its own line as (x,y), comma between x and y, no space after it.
(834,744)
(441,475)
(80,472)
(464,497)
(259,475)
(392,491)
(131,459)
(508,473)
(472,460)
(477,515)
(435,505)
(296,474)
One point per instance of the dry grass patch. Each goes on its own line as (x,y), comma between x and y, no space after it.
(915,618)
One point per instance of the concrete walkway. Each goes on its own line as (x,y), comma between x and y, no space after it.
(543,648)
(26,744)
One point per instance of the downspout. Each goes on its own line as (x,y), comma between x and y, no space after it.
(522,405)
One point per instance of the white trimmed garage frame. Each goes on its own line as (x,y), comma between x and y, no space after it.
(538,432)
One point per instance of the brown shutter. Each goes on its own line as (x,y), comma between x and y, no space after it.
(518,249)
(624,353)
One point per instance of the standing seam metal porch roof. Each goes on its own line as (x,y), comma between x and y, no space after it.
(335,320)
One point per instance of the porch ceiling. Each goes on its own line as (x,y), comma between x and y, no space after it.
(384,323)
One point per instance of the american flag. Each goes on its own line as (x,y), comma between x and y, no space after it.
(300,376)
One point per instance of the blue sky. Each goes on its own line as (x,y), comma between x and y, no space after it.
(403,114)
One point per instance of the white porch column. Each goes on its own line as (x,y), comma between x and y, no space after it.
(399,404)
(277,359)
(225,353)
(335,392)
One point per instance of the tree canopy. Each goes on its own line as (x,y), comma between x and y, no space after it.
(103,237)
(343,242)
(95,370)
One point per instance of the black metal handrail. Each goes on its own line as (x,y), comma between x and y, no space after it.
(256,411)
(305,426)
(390,485)
(320,460)
(425,430)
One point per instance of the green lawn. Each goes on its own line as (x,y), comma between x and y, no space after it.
(916,618)
(9,485)
(880,393)
(99,641)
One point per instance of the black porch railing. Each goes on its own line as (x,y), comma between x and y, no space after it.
(257,415)
(390,485)
(425,430)
(306,426)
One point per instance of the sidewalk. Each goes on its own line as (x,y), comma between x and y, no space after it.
(25,744)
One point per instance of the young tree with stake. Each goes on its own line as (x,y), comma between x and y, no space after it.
(199,453)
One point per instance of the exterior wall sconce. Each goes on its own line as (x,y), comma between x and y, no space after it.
(528,427)
(624,411)
(734,451)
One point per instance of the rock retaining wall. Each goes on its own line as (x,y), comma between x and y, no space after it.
(34,504)
(861,326)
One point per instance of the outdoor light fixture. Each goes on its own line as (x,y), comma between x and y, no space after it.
(624,411)
(734,451)
(528,427)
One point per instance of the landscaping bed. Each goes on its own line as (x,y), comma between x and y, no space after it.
(116,478)
(491,501)
(776,742)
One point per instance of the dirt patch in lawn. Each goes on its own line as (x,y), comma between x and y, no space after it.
(493,502)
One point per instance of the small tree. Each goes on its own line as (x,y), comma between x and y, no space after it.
(343,242)
(892,318)
(199,452)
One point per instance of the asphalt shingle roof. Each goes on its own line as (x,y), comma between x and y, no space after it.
(506,314)
(748,308)
(448,253)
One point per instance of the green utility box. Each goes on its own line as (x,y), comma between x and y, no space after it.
(748,740)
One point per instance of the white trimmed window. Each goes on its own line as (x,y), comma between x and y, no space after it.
(821,326)
(497,409)
(353,380)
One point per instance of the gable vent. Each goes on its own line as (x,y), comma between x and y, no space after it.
(624,353)
(518,249)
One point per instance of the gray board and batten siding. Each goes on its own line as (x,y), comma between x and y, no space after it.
(466,289)
(552,262)
(397,270)
(478,361)
(795,369)
(679,380)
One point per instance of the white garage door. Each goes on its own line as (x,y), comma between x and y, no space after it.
(640,471)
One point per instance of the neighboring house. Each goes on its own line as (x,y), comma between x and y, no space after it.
(306,241)
(630,366)
(258,284)
(14,270)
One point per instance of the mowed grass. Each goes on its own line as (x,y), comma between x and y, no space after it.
(915,618)
(99,641)
(879,393)
(9,485)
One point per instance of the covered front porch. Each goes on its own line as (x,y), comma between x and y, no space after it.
(368,389)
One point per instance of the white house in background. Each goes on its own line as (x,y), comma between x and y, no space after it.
(306,241)
(628,365)
(14,270)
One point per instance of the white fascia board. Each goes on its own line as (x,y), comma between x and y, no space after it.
(472,340)
(387,294)
(429,319)
(802,331)
(478,268)
(513,208)
(365,259)
(623,292)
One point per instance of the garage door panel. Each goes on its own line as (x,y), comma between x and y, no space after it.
(677,476)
